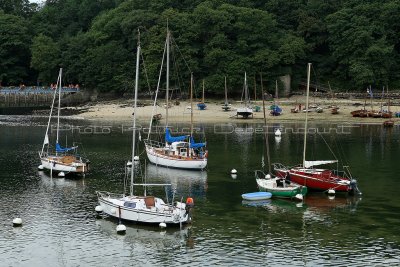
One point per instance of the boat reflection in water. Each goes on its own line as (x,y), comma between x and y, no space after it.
(47,180)
(256,203)
(314,205)
(322,203)
(183,182)
(145,237)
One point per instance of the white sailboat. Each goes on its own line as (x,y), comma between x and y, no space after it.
(247,110)
(177,151)
(64,160)
(142,209)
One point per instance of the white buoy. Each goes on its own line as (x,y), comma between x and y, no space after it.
(99,209)
(40,167)
(233,171)
(162,225)
(136,158)
(61,174)
(278,132)
(121,229)
(113,210)
(331,192)
(17,222)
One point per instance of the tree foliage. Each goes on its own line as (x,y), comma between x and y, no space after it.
(351,43)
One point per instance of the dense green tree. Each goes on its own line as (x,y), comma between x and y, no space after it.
(46,58)
(14,49)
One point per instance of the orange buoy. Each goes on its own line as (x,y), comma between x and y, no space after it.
(189,201)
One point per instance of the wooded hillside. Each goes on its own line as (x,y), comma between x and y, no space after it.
(352,44)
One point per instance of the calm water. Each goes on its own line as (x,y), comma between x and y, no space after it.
(61,229)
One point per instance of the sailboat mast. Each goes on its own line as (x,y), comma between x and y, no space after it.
(46,137)
(246,97)
(167,89)
(202,100)
(265,126)
(191,104)
(134,116)
(305,125)
(59,105)
(226,93)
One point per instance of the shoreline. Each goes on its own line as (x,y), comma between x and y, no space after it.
(121,111)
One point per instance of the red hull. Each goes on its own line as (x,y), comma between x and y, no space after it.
(321,180)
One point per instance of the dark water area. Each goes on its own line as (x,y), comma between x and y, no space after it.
(60,227)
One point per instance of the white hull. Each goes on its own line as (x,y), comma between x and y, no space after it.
(174,162)
(140,211)
(54,164)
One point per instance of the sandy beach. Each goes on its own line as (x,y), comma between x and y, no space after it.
(121,110)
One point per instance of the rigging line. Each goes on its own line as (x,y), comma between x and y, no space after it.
(158,88)
(184,60)
(328,146)
(145,73)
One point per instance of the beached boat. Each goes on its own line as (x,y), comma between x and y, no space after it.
(226,106)
(202,105)
(142,208)
(245,111)
(61,160)
(176,151)
(317,179)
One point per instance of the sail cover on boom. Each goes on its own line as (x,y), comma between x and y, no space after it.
(64,149)
(171,139)
(195,145)
(308,164)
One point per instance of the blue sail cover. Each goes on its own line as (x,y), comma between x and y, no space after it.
(170,139)
(63,149)
(195,145)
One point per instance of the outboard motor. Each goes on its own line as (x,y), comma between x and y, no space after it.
(354,187)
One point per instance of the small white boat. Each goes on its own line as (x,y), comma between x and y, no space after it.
(257,196)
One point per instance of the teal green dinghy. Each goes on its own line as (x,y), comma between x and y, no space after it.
(279,187)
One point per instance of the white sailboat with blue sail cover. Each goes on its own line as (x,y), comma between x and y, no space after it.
(182,151)
(62,160)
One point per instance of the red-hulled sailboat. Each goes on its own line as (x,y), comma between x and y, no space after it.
(327,180)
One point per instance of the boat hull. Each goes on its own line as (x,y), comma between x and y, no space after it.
(56,164)
(115,208)
(316,182)
(175,162)
(282,192)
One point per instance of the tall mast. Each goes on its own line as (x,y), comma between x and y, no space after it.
(265,126)
(226,93)
(167,89)
(255,89)
(134,115)
(305,125)
(191,104)
(202,100)
(46,137)
(59,104)
(245,90)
